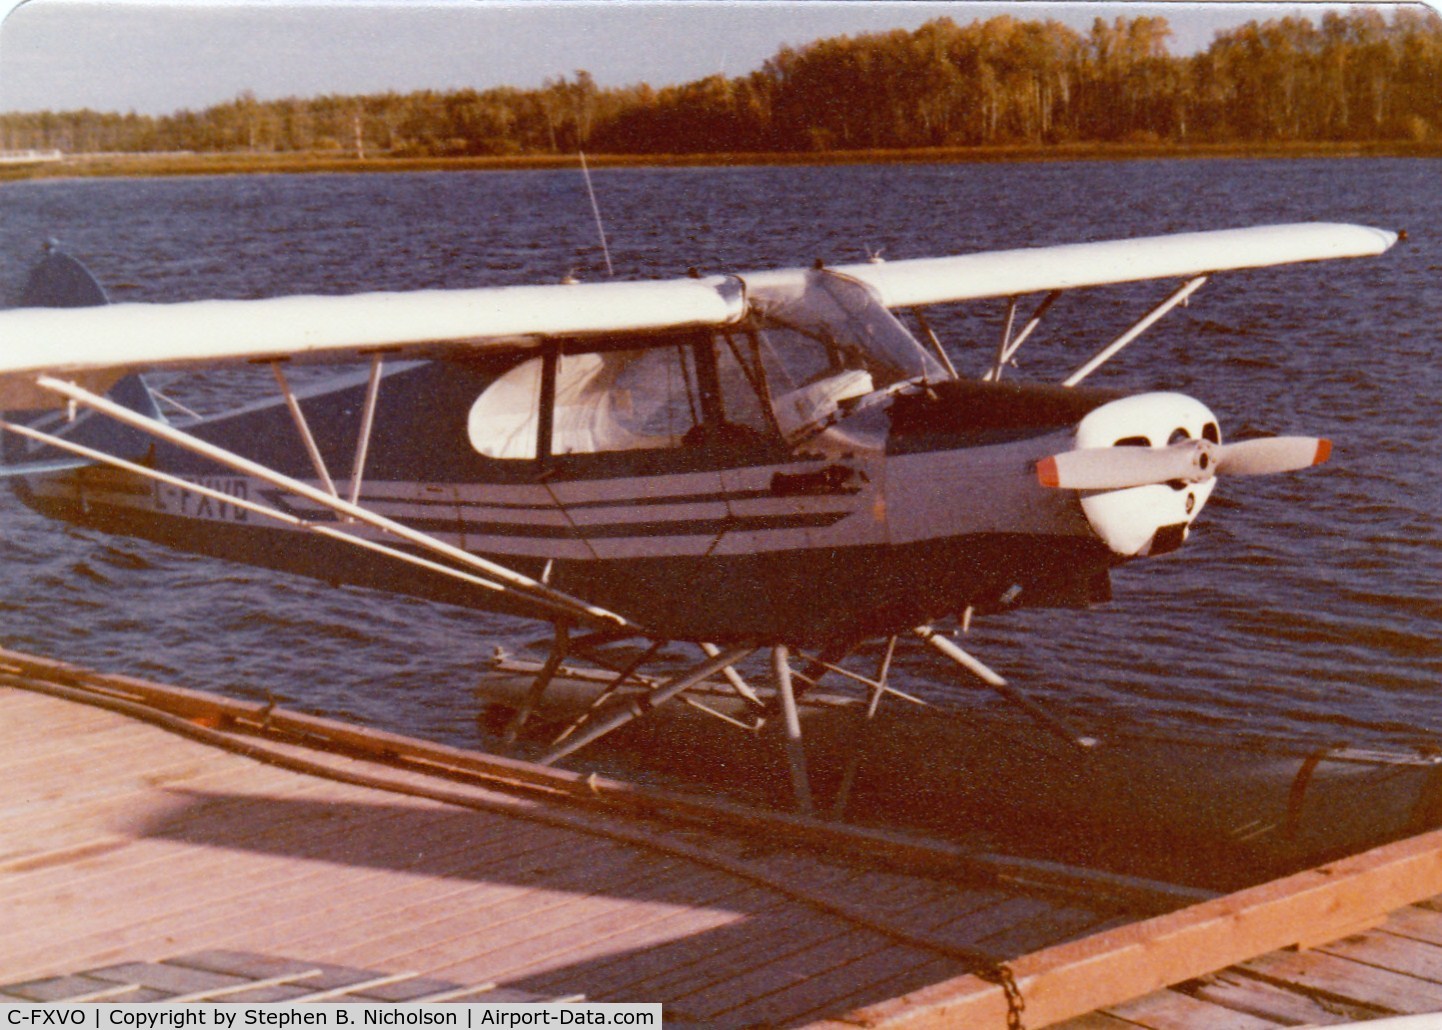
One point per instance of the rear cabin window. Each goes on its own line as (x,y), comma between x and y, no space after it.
(503,420)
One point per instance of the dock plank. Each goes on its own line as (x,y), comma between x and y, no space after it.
(39,770)
(972,929)
(23,745)
(1170,1010)
(259,893)
(508,923)
(209,825)
(596,929)
(778,994)
(169,979)
(393,933)
(665,952)
(1101,969)
(1096,1021)
(61,987)
(1388,951)
(170,813)
(759,940)
(884,986)
(1236,990)
(1416,922)
(1052,925)
(1348,981)
(388,848)
(129,806)
(661,936)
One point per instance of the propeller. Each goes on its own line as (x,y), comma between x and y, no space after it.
(1192,461)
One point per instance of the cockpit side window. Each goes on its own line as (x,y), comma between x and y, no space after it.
(742,382)
(621,400)
(701,389)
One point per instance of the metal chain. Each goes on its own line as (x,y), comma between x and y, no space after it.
(1001,975)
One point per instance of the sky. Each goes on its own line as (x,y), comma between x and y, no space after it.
(160,56)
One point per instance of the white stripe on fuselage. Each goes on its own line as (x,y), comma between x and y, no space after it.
(902,499)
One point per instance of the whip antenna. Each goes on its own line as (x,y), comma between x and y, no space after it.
(596,210)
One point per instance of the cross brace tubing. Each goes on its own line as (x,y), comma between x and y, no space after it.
(665,692)
(1052,723)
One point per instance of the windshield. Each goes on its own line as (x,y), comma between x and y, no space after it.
(827,339)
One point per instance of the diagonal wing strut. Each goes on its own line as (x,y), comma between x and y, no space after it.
(507,579)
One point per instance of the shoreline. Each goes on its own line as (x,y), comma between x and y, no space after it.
(166,165)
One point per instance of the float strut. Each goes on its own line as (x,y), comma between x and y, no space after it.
(1048,721)
(853,761)
(560,644)
(795,752)
(643,704)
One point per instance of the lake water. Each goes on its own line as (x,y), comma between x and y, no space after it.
(1306,608)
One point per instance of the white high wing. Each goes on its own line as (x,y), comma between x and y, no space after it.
(95,346)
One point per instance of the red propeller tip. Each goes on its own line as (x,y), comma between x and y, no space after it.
(1324,451)
(1046,472)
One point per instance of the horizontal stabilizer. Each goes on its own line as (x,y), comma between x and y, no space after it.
(42,468)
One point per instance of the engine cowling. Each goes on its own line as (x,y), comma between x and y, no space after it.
(1154,518)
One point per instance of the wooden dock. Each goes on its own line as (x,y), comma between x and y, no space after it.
(142,826)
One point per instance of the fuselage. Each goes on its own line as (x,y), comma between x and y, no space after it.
(854,533)
(809,476)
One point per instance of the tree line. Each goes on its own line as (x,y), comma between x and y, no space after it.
(1348,77)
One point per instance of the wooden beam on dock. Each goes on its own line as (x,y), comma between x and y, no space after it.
(1136,959)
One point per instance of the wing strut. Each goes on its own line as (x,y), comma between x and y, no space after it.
(91,456)
(1177,296)
(303,428)
(935,341)
(1007,347)
(508,579)
(368,418)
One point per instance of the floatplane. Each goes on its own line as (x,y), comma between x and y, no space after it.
(784,459)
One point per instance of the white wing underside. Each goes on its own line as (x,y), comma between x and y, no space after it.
(95,346)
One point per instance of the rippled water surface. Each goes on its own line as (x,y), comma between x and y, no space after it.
(1305,607)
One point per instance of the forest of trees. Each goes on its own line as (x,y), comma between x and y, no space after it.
(1349,77)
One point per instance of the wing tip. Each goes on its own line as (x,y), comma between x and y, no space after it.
(1324,451)
(1046,473)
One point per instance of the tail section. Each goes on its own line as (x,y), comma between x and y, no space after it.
(60,281)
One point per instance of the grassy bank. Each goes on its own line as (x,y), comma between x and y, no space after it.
(277,163)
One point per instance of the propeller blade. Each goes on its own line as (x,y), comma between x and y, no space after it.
(1272,454)
(1117,468)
